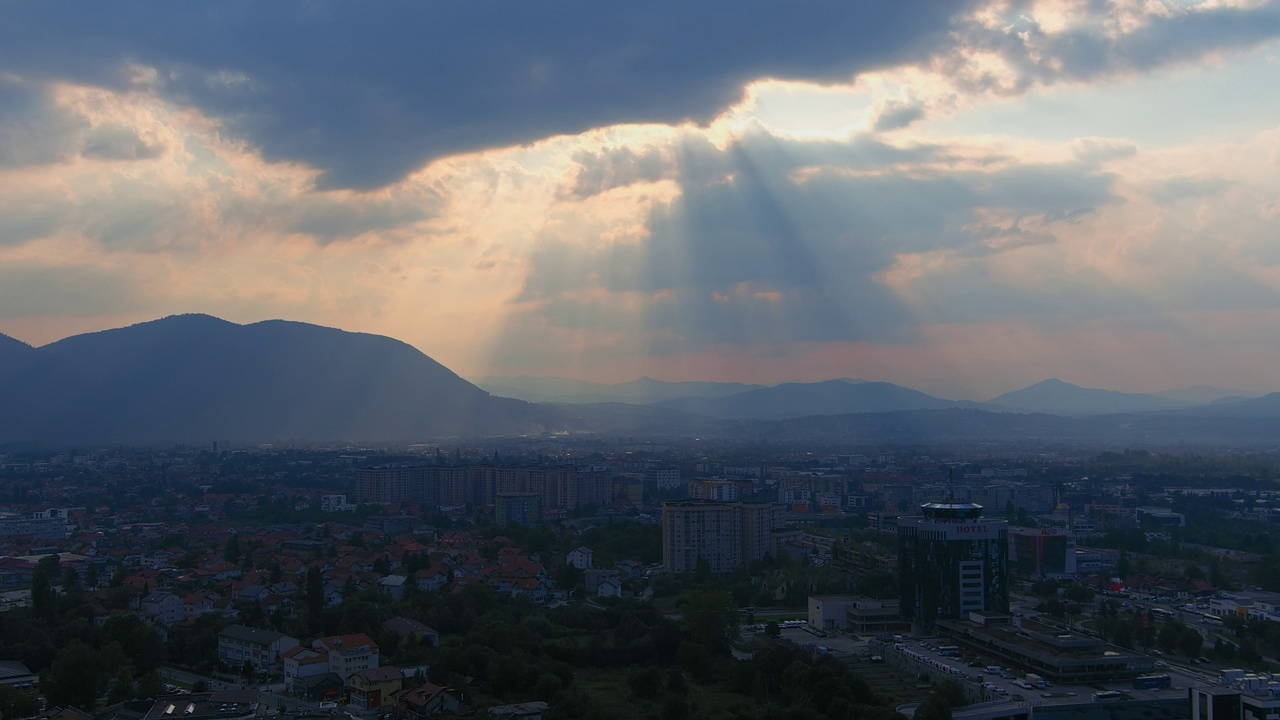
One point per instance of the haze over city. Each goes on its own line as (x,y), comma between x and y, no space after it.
(962,198)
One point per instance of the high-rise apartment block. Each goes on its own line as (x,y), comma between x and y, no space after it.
(725,535)
(567,488)
(951,562)
(516,508)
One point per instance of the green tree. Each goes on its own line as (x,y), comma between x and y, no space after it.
(77,677)
(1170,632)
(773,629)
(710,618)
(1190,642)
(315,592)
(15,703)
(1078,592)
(646,683)
(232,552)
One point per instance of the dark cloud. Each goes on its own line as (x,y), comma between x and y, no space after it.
(897,114)
(617,167)
(756,251)
(370,93)
(1093,49)
(32,130)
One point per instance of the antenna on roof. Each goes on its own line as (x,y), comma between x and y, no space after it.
(951,482)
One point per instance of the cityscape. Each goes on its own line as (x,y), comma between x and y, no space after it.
(660,360)
(587,577)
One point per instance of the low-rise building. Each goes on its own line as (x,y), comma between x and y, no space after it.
(164,608)
(238,644)
(371,689)
(869,616)
(301,665)
(829,612)
(349,654)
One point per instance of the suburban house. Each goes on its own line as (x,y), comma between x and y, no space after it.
(262,649)
(164,608)
(405,628)
(579,558)
(371,689)
(393,586)
(426,701)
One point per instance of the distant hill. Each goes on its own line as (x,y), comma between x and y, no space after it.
(1267,406)
(962,428)
(198,378)
(642,391)
(1202,394)
(1056,397)
(12,352)
(793,400)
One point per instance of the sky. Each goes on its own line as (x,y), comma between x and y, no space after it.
(961,197)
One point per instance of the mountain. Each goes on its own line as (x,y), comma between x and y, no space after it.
(1267,406)
(643,390)
(793,400)
(1029,432)
(1056,397)
(198,378)
(1204,394)
(13,352)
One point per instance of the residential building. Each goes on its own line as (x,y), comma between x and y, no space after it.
(301,666)
(580,558)
(664,478)
(349,654)
(238,644)
(723,535)
(405,628)
(372,688)
(164,608)
(516,508)
(335,503)
(427,701)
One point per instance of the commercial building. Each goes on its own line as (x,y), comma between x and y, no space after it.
(1042,552)
(829,612)
(869,616)
(723,535)
(1239,695)
(225,705)
(1051,651)
(516,508)
(951,562)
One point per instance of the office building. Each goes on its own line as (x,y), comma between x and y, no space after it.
(951,562)
(1042,552)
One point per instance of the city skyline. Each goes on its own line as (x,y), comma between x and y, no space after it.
(963,198)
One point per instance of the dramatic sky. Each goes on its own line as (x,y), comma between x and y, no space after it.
(963,197)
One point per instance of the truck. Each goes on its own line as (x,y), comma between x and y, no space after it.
(1037,681)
